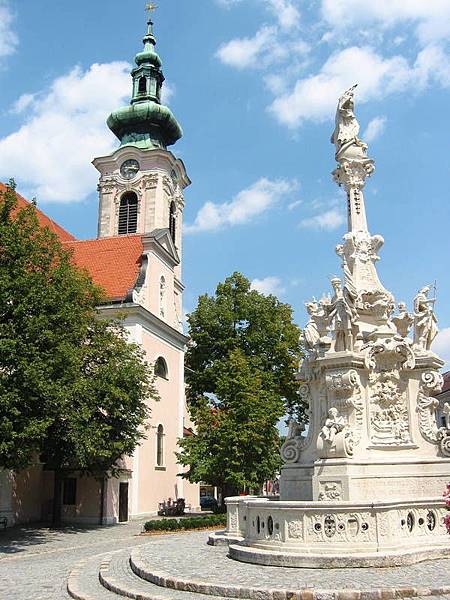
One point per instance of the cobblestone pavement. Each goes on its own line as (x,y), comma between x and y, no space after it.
(190,558)
(35,562)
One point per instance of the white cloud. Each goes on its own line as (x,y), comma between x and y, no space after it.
(374,129)
(294,204)
(167,92)
(431,17)
(286,12)
(315,97)
(22,103)
(63,130)
(8,38)
(268,285)
(246,205)
(327,221)
(441,345)
(255,51)
(228,3)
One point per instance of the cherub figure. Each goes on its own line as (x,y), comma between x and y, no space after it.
(403,320)
(333,425)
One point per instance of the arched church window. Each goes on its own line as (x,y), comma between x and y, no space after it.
(142,89)
(161,368)
(128,213)
(173,221)
(160,446)
(162,297)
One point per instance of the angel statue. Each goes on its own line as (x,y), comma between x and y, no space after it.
(346,130)
(316,329)
(425,322)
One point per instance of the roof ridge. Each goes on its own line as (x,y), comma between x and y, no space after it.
(111,237)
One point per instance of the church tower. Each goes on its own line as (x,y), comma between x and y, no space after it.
(141,183)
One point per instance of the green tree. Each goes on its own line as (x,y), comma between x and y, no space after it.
(236,446)
(72,390)
(240,371)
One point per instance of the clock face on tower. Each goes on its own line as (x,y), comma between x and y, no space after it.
(129,169)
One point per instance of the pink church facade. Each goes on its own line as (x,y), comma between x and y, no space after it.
(137,259)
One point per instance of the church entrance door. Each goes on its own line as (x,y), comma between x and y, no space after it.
(123,502)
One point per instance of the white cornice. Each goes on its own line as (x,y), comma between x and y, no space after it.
(158,158)
(148,320)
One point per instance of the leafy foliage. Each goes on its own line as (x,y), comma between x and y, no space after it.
(240,372)
(72,390)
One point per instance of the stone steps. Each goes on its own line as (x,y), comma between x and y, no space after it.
(116,575)
(110,577)
(178,568)
(83,582)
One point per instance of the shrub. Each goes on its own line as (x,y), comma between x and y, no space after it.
(185,523)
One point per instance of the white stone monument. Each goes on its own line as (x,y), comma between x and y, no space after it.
(362,483)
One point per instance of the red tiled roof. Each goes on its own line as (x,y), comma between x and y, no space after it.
(113,263)
(44,221)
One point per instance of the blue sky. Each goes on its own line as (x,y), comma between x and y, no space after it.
(254,84)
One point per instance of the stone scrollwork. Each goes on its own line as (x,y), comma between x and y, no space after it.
(342,382)
(295,440)
(431,383)
(353,173)
(150,182)
(295,529)
(389,354)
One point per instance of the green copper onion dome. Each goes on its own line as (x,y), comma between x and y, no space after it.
(146,123)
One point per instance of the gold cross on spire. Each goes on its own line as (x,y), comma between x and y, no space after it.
(150,7)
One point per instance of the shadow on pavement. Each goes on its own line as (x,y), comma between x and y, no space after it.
(23,537)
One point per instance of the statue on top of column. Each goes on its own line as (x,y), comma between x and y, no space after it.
(345,135)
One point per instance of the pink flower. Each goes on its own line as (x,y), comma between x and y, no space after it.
(447,523)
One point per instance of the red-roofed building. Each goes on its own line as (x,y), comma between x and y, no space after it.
(136,259)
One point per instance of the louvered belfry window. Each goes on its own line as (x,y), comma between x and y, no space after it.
(173,221)
(128,213)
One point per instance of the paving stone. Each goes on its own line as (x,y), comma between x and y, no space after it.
(188,557)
